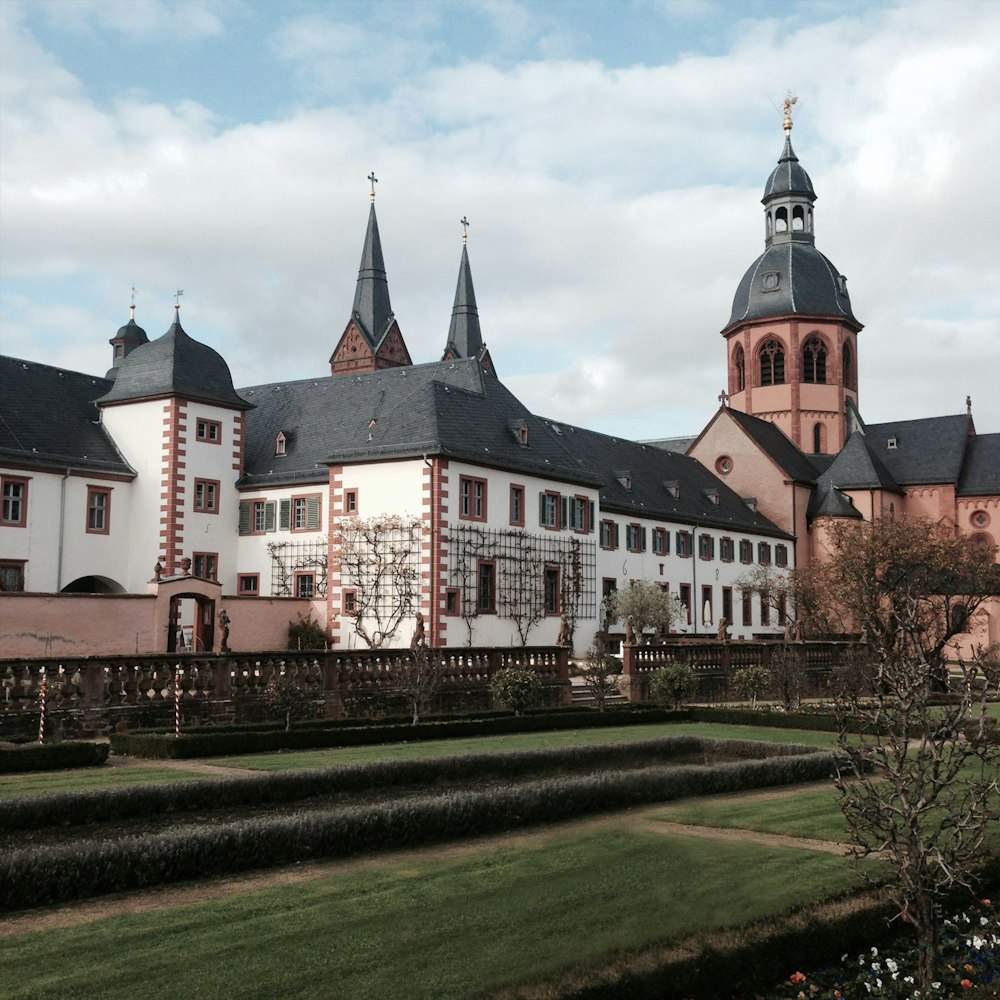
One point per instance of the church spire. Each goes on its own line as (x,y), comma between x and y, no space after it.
(128,337)
(371,339)
(465,337)
(788,195)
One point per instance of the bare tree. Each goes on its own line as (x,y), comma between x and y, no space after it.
(417,675)
(521,582)
(918,787)
(380,563)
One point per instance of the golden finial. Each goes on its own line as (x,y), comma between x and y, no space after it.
(790,99)
(135,292)
(464,222)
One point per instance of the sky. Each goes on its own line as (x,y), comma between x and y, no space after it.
(610,158)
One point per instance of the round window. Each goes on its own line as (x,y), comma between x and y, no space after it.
(724,465)
(980,519)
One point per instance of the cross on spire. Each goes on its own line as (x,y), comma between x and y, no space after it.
(374,181)
(724,398)
(465,229)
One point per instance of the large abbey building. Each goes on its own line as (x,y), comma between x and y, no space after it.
(385,488)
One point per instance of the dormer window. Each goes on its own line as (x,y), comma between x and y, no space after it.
(751,503)
(673,487)
(519,428)
(624,476)
(712,496)
(280,443)
(770,281)
(891,443)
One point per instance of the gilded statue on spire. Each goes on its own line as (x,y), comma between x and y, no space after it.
(789,101)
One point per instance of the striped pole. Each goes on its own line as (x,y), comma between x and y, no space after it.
(178,673)
(41,705)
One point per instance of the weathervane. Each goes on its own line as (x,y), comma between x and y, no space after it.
(790,99)
(135,292)
(177,299)
(465,229)
(374,181)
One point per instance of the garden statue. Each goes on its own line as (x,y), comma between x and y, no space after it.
(186,566)
(629,631)
(158,570)
(419,639)
(563,638)
(224,625)
(723,625)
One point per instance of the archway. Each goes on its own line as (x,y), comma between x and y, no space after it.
(191,624)
(93,585)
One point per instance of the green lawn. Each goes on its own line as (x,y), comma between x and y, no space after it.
(433,929)
(44,782)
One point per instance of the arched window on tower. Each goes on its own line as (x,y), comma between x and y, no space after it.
(814,361)
(819,438)
(739,369)
(781,220)
(770,224)
(772,363)
(849,375)
(798,219)
(809,221)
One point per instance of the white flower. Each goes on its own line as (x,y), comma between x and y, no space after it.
(876,967)
(983,921)
(890,964)
(874,952)
(935,986)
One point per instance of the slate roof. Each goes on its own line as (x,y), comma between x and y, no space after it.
(981,470)
(774,442)
(465,338)
(858,467)
(788,177)
(452,409)
(808,284)
(929,450)
(372,310)
(650,468)
(678,444)
(174,365)
(48,419)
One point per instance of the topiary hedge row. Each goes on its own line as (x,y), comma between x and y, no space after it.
(203,743)
(105,805)
(51,756)
(46,875)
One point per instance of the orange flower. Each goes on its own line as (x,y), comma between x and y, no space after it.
(965,984)
(797,977)
(969,968)
(986,902)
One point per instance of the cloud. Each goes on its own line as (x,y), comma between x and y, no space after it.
(613,210)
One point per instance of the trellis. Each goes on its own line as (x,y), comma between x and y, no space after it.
(289,558)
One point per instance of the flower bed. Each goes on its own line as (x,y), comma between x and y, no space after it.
(969,966)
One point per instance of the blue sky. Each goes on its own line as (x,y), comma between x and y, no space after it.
(610,156)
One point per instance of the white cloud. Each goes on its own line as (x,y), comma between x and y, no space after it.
(613,210)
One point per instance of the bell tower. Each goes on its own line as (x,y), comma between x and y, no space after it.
(791,340)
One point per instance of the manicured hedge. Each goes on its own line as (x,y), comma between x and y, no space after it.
(45,875)
(51,756)
(105,805)
(203,743)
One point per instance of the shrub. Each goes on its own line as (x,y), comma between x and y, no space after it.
(751,682)
(52,756)
(287,699)
(675,683)
(517,689)
(306,633)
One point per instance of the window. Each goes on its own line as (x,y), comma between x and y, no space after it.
(661,541)
(15,502)
(782,609)
(205,565)
(814,361)
(781,555)
(706,547)
(548,510)
(739,369)
(727,604)
(98,510)
(848,369)
(350,501)
(451,599)
(685,598)
(248,584)
(819,438)
(609,535)
(257,516)
(635,538)
(12,575)
(517,506)
(727,550)
(578,513)
(305,584)
(486,596)
(765,608)
(706,605)
(280,443)
(206,495)
(746,551)
(683,544)
(472,499)
(301,513)
(209,431)
(747,610)
(772,363)
(609,585)
(349,602)
(763,554)
(552,590)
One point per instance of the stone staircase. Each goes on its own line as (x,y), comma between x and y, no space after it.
(582,696)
